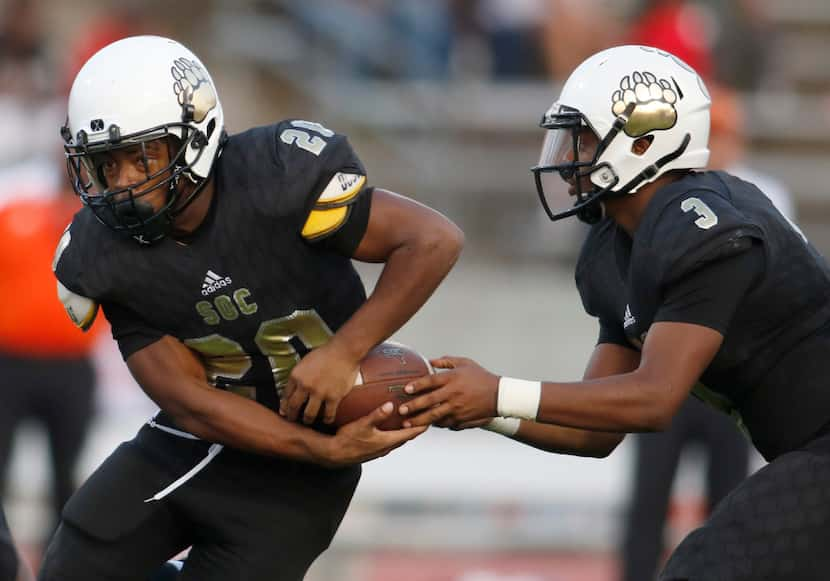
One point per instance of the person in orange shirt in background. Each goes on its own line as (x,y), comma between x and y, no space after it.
(45,363)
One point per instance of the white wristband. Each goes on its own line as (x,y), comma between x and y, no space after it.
(504,426)
(518,398)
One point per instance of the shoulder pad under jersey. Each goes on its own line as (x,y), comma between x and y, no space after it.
(81,310)
(694,225)
(339,175)
(331,209)
(311,166)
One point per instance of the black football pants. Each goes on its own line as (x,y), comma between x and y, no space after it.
(775,526)
(247,517)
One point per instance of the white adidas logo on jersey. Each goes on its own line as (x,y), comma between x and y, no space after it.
(213,282)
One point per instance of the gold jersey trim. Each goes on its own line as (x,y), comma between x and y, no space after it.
(323,222)
(81,310)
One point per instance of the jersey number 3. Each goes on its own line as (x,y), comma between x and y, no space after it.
(706,217)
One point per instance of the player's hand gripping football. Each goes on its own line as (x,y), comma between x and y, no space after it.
(465,393)
(319,381)
(361,440)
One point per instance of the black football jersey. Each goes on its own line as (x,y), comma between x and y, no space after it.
(772,371)
(247,291)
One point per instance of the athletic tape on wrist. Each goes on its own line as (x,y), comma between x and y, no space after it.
(504,426)
(518,398)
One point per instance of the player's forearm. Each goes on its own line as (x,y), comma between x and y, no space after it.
(621,403)
(562,440)
(607,360)
(226,418)
(410,275)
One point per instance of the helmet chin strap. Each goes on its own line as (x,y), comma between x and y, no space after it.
(591,213)
(652,170)
(154,226)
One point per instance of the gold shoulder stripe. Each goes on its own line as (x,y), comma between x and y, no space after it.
(322,222)
(342,189)
(86,323)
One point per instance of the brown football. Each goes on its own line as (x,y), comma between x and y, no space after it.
(383,374)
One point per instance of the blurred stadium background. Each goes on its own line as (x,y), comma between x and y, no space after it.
(441,98)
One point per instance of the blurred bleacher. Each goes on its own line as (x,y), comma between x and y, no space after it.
(465,145)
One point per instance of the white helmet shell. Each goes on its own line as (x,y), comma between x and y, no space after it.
(671,102)
(139,85)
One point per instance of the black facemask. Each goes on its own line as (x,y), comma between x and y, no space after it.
(125,210)
(588,207)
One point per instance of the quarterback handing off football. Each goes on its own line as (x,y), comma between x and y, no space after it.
(383,374)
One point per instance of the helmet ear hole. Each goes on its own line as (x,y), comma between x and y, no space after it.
(210,127)
(641,144)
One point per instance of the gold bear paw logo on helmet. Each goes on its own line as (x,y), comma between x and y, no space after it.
(654,100)
(193,87)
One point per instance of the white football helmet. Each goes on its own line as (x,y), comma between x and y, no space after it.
(133,91)
(622,94)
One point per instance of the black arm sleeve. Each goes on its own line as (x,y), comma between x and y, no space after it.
(131,333)
(710,295)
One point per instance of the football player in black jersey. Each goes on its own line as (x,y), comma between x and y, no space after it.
(700,286)
(224,266)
